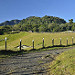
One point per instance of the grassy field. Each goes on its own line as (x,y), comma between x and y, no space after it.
(64,64)
(26,37)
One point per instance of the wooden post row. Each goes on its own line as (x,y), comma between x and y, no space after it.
(5,43)
(53,42)
(43,42)
(20,44)
(33,44)
(72,41)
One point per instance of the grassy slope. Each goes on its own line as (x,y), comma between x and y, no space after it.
(64,64)
(13,39)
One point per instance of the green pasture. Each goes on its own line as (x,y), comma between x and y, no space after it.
(13,40)
(64,64)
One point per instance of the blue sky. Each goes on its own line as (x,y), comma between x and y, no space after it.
(21,9)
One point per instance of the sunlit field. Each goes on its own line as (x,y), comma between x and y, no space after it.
(13,40)
(64,64)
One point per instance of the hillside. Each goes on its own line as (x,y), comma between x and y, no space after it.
(35,20)
(12,22)
(42,20)
(63,64)
(38,24)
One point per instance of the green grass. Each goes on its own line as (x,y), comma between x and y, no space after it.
(13,39)
(64,64)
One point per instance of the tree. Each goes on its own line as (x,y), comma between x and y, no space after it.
(1,32)
(71,21)
(51,27)
(41,29)
(73,27)
(7,28)
(35,29)
(15,27)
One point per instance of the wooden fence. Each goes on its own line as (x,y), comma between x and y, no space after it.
(43,41)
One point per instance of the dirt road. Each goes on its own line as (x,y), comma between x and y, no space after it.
(28,64)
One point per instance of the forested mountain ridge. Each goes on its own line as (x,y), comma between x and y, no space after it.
(43,20)
(40,24)
(12,22)
(35,20)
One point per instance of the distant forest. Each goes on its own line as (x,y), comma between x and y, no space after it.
(38,24)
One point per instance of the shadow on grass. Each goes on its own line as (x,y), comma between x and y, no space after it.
(12,53)
(54,47)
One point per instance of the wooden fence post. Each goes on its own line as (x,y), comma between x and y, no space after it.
(60,41)
(72,40)
(53,42)
(43,42)
(33,44)
(67,41)
(20,44)
(5,43)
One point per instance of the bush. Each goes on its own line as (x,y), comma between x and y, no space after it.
(1,32)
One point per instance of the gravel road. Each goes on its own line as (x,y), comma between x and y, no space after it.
(28,64)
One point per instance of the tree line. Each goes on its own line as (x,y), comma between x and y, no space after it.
(40,24)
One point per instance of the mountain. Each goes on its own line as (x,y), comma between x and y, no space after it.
(12,22)
(36,24)
(35,20)
(46,20)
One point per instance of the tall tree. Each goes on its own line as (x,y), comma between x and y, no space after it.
(71,21)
